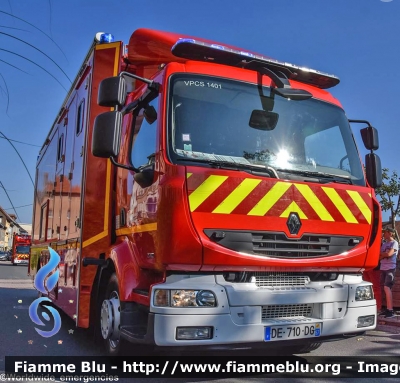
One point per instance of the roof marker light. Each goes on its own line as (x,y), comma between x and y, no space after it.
(102,37)
(216,46)
(181,40)
(248,54)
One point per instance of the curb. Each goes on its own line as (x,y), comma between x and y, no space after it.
(386,322)
(16,283)
(389,322)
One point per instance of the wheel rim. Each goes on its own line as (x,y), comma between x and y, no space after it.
(110,319)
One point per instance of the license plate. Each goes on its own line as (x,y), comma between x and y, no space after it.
(298,331)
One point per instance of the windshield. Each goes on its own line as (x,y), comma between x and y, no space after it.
(209,122)
(22,249)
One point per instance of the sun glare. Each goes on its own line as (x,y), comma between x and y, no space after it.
(282,158)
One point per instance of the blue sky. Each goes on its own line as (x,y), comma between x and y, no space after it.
(357,40)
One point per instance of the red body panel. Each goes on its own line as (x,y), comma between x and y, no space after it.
(148,46)
(72,206)
(267,206)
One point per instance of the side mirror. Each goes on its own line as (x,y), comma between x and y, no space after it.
(373,170)
(150,114)
(370,138)
(145,177)
(263,120)
(112,92)
(106,137)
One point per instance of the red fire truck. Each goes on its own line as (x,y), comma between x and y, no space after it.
(201,195)
(20,249)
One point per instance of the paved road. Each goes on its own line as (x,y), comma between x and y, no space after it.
(13,275)
(16,295)
(19,338)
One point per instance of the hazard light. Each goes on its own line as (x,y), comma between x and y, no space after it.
(102,37)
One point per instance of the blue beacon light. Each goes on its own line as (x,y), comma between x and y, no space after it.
(103,37)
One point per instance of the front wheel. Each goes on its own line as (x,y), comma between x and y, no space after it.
(110,314)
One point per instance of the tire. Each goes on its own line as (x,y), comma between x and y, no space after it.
(109,317)
(109,325)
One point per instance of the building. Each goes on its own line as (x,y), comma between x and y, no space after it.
(9,226)
(27,227)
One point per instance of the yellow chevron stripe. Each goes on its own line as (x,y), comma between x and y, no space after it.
(237,196)
(270,199)
(188,175)
(209,186)
(293,208)
(314,202)
(340,204)
(365,210)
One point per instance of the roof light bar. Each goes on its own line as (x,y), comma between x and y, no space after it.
(198,50)
(102,37)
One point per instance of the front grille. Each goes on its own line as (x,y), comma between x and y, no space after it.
(278,245)
(279,280)
(286,311)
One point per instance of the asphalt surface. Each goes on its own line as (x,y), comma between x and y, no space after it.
(18,336)
(17,293)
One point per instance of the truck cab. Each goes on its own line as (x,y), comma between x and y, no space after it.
(240,184)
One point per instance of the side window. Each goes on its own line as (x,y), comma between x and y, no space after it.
(317,149)
(60,148)
(80,117)
(43,221)
(144,139)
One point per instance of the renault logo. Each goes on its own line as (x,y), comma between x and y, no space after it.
(293,223)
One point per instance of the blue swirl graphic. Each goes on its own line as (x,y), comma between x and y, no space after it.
(45,287)
(45,270)
(33,313)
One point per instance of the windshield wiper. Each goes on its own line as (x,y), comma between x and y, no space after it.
(321,175)
(228,165)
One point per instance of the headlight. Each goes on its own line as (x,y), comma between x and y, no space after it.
(197,333)
(364,293)
(206,298)
(161,298)
(366,321)
(184,298)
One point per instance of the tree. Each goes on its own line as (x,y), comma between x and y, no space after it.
(389,194)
